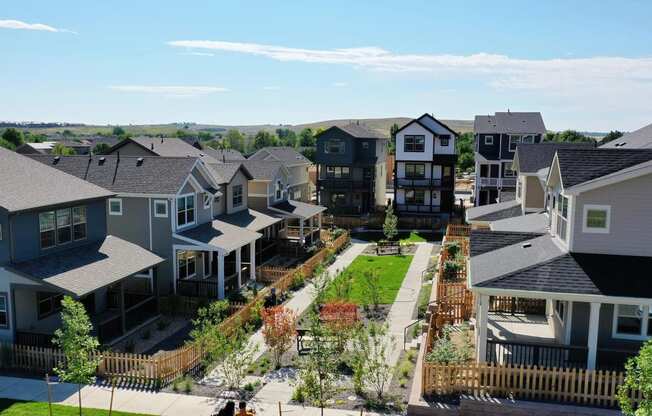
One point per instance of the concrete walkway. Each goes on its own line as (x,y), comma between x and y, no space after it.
(301,300)
(135,401)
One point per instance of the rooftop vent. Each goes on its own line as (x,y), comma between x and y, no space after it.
(102,160)
(56,159)
(139,161)
(527,245)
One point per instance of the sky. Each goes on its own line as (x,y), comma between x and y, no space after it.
(584,65)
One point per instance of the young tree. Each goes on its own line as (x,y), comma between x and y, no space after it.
(77,344)
(100,148)
(390,226)
(13,136)
(341,319)
(320,282)
(307,138)
(371,279)
(638,378)
(235,356)
(118,131)
(372,346)
(342,285)
(206,323)
(279,330)
(62,150)
(264,139)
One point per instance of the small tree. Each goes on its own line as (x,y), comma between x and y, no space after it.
(13,136)
(372,346)
(390,226)
(341,319)
(204,329)
(342,285)
(452,248)
(235,356)
(279,330)
(62,150)
(371,279)
(77,344)
(320,283)
(638,378)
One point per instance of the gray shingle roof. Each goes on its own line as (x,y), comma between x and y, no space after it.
(221,234)
(222,155)
(361,131)
(84,269)
(536,222)
(287,155)
(131,174)
(510,122)
(484,241)
(637,139)
(581,165)
(263,170)
(251,219)
(224,172)
(26,184)
(299,209)
(493,212)
(166,146)
(533,157)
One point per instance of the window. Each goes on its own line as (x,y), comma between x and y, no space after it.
(446,171)
(507,169)
(414,143)
(514,140)
(415,170)
(632,322)
(78,223)
(527,139)
(207,200)
(297,194)
(334,146)
(185,210)
(444,139)
(115,206)
(4,311)
(48,303)
(415,196)
(161,208)
(186,264)
(560,310)
(64,232)
(562,216)
(338,199)
(237,195)
(338,172)
(596,219)
(488,140)
(279,190)
(47,227)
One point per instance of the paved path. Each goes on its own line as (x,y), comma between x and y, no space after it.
(301,300)
(151,403)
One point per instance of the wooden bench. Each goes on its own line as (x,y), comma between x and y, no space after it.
(388,247)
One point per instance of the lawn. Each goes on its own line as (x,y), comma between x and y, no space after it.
(18,408)
(404,237)
(392,271)
(414,237)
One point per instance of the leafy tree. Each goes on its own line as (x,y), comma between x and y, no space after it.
(119,131)
(234,354)
(78,346)
(390,226)
(310,153)
(60,149)
(612,135)
(68,133)
(264,139)
(568,136)
(307,138)
(320,283)
(34,138)
(445,351)
(465,148)
(204,136)
(101,148)
(341,319)
(6,144)
(372,283)
(287,137)
(279,330)
(235,139)
(638,378)
(13,136)
(207,320)
(371,348)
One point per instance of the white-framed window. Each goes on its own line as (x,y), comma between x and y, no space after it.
(518,189)
(529,139)
(596,219)
(186,264)
(338,172)
(78,223)
(507,170)
(4,310)
(185,210)
(334,146)
(414,143)
(297,194)
(115,206)
(488,140)
(415,170)
(64,226)
(514,140)
(562,216)
(444,139)
(237,195)
(279,190)
(161,208)
(47,227)
(207,200)
(632,322)
(415,196)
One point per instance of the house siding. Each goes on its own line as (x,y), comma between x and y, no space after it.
(238,179)
(5,246)
(331,159)
(534,195)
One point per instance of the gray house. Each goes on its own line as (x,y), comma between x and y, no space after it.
(54,241)
(297,166)
(588,269)
(159,146)
(637,139)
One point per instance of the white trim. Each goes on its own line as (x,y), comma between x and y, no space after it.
(645,319)
(198,245)
(136,195)
(209,196)
(118,200)
(568,325)
(596,230)
(165,204)
(489,136)
(176,212)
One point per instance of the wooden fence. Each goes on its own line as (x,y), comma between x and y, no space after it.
(561,385)
(454,230)
(162,368)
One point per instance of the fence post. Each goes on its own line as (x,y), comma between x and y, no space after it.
(47,384)
(280,412)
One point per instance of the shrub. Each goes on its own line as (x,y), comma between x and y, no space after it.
(405,369)
(187,385)
(249,387)
(444,350)
(175,385)
(298,281)
(452,248)
(298,395)
(451,268)
(411,355)
(402,383)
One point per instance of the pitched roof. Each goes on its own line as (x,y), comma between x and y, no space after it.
(536,222)
(222,155)
(83,269)
(287,155)
(360,131)
(484,241)
(224,172)
(221,234)
(251,219)
(493,212)
(26,184)
(126,174)
(637,139)
(165,146)
(263,170)
(298,209)
(428,122)
(531,158)
(581,165)
(510,122)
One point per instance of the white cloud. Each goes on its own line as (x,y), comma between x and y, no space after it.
(199,53)
(272,88)
(17,24)
(340,84)
(170,90)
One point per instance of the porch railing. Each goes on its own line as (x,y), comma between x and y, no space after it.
(512,305)
(197,288)
(543,355)
(420,209)
(424,182)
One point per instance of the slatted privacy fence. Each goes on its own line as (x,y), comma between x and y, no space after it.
(512,305)
(456,230)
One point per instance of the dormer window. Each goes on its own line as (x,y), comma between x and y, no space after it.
(185,210)
(414,143)
(237,196)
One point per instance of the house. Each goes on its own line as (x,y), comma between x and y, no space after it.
(55,241)
(424,179)
(80,148)
(297,166)
(159,146)
(222,155)
(351,173)
(496,140)
(587,270)
(526,212)
(637,139)
(185,211)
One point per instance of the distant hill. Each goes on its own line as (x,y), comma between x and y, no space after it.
(383,125)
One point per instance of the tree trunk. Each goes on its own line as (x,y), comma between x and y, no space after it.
(79,396)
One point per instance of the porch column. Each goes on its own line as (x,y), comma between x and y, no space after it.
(301,240)
(220,276)
(319,220)
(252,261)
(123,316)
(568,324)
(594,323)
(238,265)
(481,329)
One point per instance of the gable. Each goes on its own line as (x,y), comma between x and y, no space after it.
(435,125)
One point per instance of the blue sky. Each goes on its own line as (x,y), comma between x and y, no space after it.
(585,65)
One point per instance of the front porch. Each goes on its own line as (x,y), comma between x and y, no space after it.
(303,222)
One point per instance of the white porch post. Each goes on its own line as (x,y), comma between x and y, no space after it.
(238,265)
(220,275)
(252,261)
(568,324)
(481,329)
(319,220)
(594,323)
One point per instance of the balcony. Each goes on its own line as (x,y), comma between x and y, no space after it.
(424,182)
(418,209)
(498,182)
(345,183)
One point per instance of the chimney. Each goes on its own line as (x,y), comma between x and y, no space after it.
(151,145)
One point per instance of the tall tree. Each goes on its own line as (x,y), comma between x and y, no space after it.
(612,135)
(235,139)
(465,148)
(392,138)
(264,139)
(638,378)
(307,138)
(568,136)
(13,136)
(279,329)
(78,346)
(118,131)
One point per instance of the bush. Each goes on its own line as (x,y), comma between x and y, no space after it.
(402,383)
(298,395)
(175,385)
(444,350)
(452,248)
(451,268)
(411,355)
(187,385)
(405,369)
(298,281)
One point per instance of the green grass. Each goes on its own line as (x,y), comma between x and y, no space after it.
(424,297)
(414,237)
(392,271)
(18,408)
(403,237)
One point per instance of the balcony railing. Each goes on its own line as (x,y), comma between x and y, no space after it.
(424,182)
(421,209)
(346,183)
(498,182)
